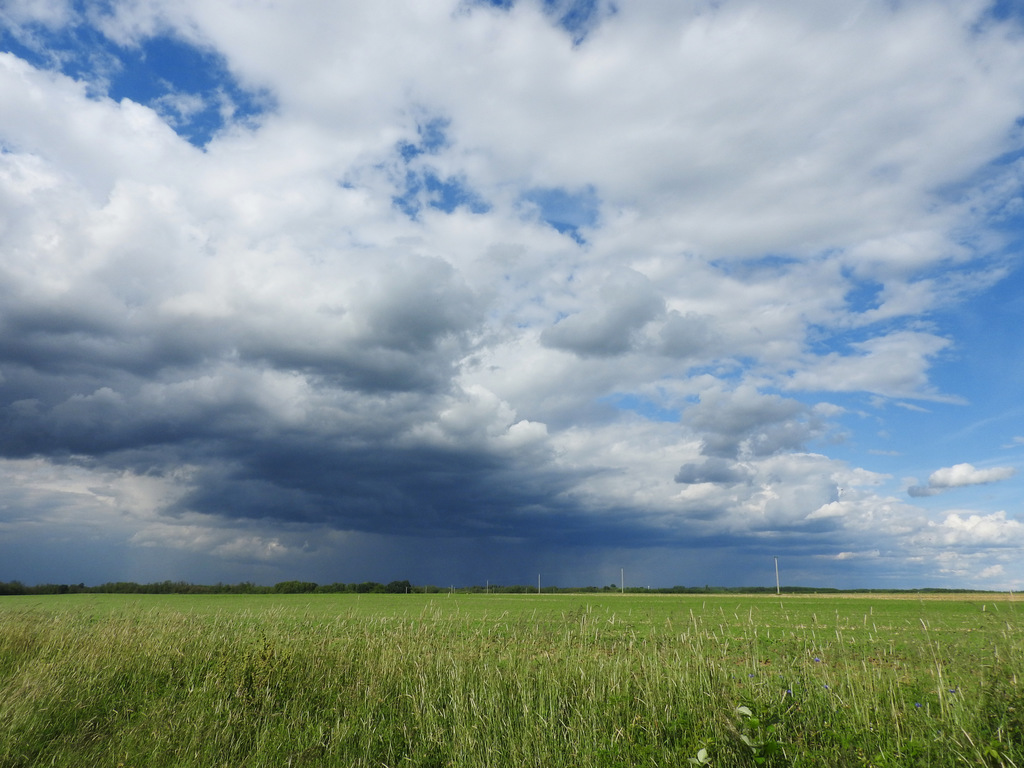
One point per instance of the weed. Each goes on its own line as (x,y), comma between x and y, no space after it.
(702,758)
(760,740)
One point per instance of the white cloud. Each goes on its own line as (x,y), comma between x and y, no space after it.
(51,13)
(73,496)
(991,572)
(196,537)
(895,365)
(874,553)
(976,530)
(960,475)
(967,474)
(911,407)
(86,149)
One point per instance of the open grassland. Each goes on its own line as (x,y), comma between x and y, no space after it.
(503,680)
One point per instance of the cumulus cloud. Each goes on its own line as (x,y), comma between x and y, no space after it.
(967,474)
(609,323)
(711,470)
(894,365)
(960,475)
(550,273)
(744,422)
(973,531)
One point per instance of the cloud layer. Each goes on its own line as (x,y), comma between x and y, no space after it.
(503,284)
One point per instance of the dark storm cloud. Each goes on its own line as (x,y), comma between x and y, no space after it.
(288,415)
(416,491)
(95,392)
(63,342)
(123,414)
(348,475)
(403,330)
(82,381)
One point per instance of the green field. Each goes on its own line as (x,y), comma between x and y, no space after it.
(510,680)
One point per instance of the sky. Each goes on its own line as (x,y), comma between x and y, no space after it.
(460,291)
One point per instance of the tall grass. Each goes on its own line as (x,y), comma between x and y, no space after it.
(466,682)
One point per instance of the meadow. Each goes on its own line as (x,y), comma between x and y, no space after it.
(510,680)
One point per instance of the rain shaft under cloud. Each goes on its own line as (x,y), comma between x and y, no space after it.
(464,291)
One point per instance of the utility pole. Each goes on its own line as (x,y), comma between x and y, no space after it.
(622,581)
(778,590)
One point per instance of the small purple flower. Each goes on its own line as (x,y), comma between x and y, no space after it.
(917,704)
(817,659)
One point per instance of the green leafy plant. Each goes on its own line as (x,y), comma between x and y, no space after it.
(759,739)
(702,758)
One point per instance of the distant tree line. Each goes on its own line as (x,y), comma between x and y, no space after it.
(404,586)
(187,588)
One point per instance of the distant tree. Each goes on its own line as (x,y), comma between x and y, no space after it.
(295,587)
(12,588)
(119,588)
(398,587)
(332,588)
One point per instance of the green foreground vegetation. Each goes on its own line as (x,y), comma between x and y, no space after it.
(510,680)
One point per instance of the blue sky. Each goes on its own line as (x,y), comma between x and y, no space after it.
(470,291)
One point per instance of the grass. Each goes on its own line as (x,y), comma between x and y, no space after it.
(509,680)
